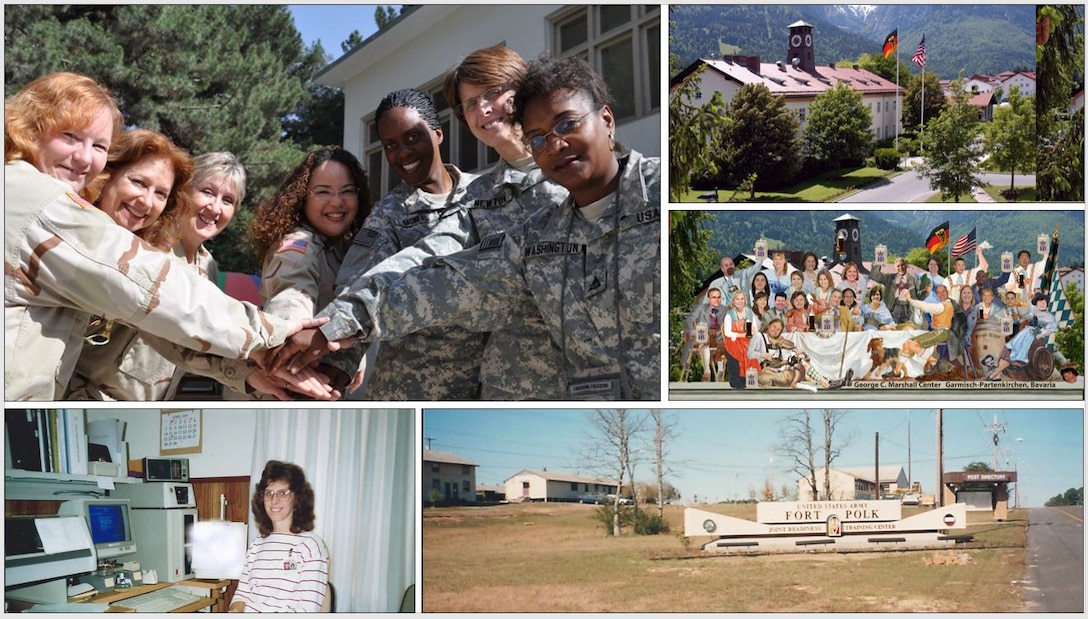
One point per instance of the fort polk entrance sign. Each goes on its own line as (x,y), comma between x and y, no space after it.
(826,526)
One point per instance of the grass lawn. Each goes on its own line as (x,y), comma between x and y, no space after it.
(824,188)
(548,557)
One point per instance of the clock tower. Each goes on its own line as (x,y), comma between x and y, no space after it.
(801,54)
(847,245)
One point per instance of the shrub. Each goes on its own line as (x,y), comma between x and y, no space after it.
(886,158)
(647,523)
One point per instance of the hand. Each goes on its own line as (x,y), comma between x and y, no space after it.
(295,326)
(283,385)
(300,349)
(356,382)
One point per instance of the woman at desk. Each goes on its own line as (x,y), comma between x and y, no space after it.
(287,567)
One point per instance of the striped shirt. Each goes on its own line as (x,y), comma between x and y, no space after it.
(284,573)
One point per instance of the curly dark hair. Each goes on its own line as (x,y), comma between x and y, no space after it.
(569,73)
(302,519)
(409,98)
(285,210)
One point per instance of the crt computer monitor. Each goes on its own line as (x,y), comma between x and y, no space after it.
(219,549)
(109,522)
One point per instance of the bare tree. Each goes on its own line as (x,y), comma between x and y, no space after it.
(617,428)
(800,449)
(664,431)
(831,451)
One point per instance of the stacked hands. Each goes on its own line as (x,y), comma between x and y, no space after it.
(306,378)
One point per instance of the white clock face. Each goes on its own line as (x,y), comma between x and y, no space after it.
(795,40)
(854,234)
(808,40)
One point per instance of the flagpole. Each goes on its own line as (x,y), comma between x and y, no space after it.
(898,105)
(921,129)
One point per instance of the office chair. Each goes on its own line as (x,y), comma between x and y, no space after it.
(329,605)
(408,602)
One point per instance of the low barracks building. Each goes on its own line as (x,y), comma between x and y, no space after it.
(529,485)
(799,81)
(449,477)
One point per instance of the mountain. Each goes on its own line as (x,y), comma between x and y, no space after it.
(734,232)
(968,38)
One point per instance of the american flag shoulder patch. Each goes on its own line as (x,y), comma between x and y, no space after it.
(295,245)
(366,237)
(80,202)
(492,241)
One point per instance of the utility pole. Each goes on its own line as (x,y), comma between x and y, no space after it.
(428,439)
(940,458)
(997,429)
(876,476)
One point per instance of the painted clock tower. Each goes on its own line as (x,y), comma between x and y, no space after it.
(801,53)
(847,246)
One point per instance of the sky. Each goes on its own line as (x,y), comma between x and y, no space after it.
(332,23)
(719,453)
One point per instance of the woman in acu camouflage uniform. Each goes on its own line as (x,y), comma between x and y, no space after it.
(591,266)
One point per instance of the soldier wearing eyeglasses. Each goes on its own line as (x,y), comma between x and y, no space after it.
(590,266)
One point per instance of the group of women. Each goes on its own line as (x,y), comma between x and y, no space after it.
(103,303)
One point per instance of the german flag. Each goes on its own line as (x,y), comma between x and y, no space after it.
(938,239)
(891,43)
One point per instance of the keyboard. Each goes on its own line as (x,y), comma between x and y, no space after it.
(160,601)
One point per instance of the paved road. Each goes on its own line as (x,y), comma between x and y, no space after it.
(1055,578)
(907,187)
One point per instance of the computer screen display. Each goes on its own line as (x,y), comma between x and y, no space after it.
(219,548)
(107,523)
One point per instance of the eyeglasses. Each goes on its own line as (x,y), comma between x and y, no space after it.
(270,495)
(487,96)
(325,195)
(562,129)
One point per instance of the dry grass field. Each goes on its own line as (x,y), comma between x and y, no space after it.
(555,557)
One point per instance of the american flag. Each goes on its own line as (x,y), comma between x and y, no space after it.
(919,56)
(965,244)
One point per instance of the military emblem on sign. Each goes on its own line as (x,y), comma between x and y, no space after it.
(709,526)
(834,526)
(949,519)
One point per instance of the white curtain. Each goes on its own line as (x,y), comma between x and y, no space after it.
(361,466)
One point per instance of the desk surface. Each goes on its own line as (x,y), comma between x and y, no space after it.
(116,598)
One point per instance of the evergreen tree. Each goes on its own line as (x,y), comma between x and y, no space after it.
(760,138)
(693,132)
(837,128)
(951,156)
(912,101)
(1010,138)
(1060,160)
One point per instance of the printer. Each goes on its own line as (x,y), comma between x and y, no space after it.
(40,552)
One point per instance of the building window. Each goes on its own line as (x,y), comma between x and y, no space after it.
(465,487)
(434,467)
(574,486)
(623,44)
(878,107)
(698,95)
(801,113)
(465,469)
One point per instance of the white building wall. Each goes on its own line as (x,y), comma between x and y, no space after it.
(537,487)
(421,49)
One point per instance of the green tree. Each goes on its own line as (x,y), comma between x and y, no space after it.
(837,128)
(761,138)
(949,142)
(977,467)
(1060,163)
(383,15)
(1072,496)
(878,64)
(919,257)
(1010,138)
(354,40)
(1070,342)
(693,130)
(912,101)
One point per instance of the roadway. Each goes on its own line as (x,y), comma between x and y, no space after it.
(1055,577)
(885,391)
(908,187)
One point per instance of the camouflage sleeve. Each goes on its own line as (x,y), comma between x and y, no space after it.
(475,289)
(289,278)
(374,242)
(82,260)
